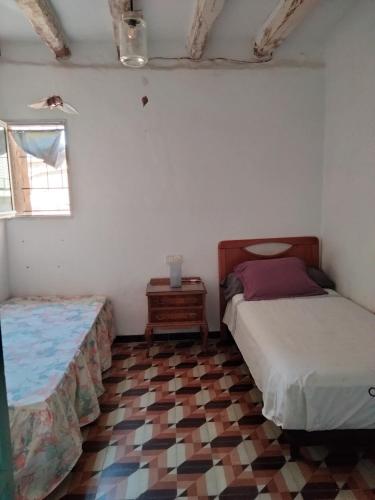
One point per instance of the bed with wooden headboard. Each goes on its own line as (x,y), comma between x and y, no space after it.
(334,337)
(233,252)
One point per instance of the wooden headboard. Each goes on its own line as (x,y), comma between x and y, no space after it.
(233,252)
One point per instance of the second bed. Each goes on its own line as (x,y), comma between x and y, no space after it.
(312,357)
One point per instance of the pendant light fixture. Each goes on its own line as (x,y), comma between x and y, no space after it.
(133,39)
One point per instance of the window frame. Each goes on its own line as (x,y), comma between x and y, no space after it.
(10,213)
(7,124)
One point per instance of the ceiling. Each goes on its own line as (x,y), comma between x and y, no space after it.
(169,23)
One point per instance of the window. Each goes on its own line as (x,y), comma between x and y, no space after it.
(38,181)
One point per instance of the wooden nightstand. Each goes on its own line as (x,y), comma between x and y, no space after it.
(175,308)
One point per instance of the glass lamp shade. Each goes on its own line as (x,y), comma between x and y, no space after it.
(133,41)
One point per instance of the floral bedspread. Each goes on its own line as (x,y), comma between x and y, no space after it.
(55,350)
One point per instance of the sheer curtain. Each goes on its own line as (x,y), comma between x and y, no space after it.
(44,144)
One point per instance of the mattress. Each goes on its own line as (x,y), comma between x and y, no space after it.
(313,358)
(55,350)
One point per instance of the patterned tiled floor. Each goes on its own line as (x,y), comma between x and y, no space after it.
(181,423)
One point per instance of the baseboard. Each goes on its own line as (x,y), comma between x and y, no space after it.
(121,339)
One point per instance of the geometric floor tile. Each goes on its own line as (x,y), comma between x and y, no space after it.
(180,422)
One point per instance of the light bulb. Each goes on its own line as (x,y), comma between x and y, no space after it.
(132,32)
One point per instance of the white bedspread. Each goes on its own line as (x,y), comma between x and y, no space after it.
(313,358)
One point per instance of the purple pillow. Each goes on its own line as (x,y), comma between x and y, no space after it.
(276,278)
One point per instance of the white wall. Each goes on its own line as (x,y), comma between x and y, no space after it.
(216,154)
(349,178)
(4,279)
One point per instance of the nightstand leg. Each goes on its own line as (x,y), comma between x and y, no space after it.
(148,334)
(204,332)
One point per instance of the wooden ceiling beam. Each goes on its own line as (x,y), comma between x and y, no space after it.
(46,24)
(206,12)
(287,15)
(117,9)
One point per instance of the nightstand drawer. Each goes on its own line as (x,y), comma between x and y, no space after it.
(176,315)
(176,300)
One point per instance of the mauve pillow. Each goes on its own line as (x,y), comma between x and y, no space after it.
(275,279)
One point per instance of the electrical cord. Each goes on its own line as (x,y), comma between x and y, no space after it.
(211,60)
